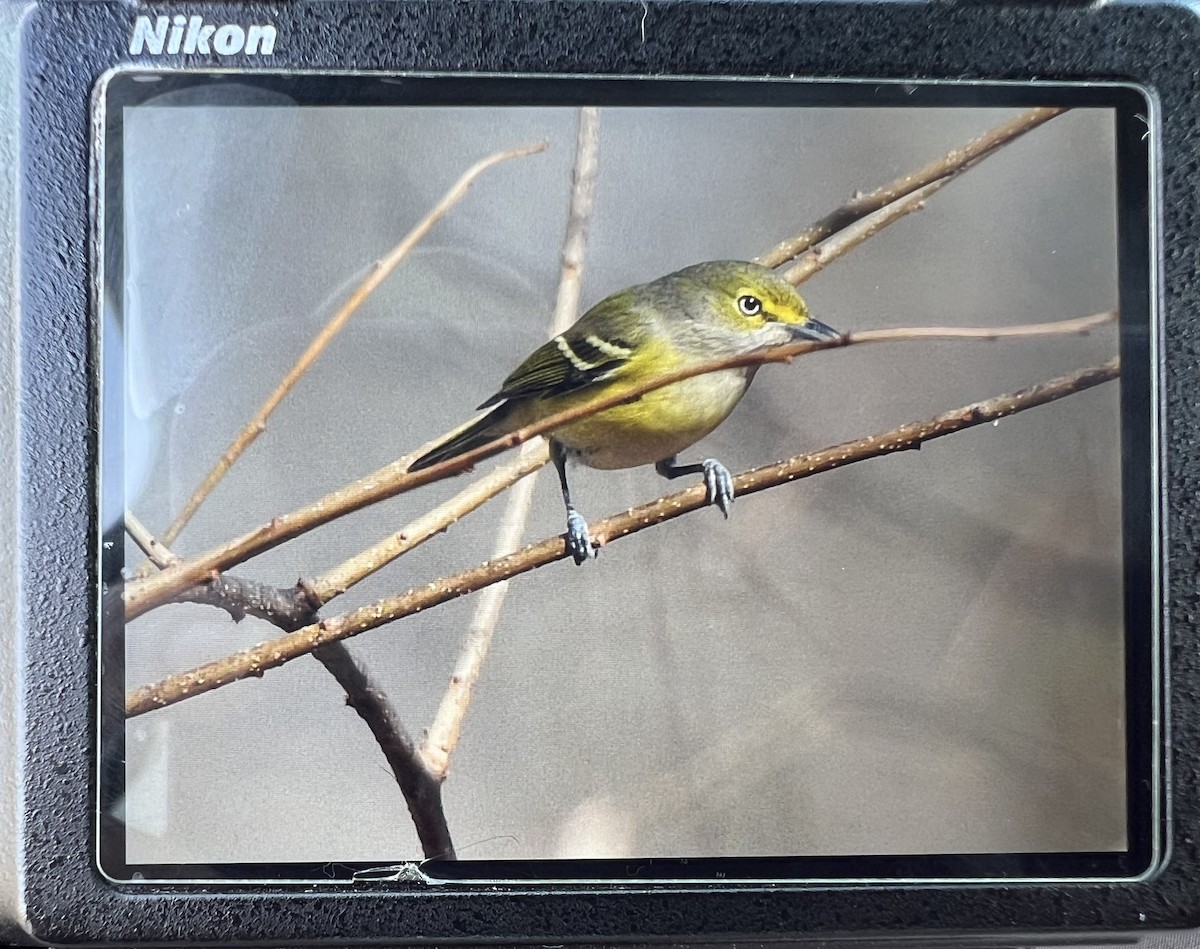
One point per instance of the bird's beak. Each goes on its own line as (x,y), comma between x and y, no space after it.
(812,329)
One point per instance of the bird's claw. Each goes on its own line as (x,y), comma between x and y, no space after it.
(579,541)
(719,483)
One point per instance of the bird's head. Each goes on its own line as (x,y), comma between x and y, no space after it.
(746,304)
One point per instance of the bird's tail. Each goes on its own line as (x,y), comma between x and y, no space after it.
(472,435)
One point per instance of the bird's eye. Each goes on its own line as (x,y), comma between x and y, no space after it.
(750,306)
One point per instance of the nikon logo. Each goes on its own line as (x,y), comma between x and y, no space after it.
(182,34)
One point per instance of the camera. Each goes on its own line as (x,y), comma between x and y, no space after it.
(600,472)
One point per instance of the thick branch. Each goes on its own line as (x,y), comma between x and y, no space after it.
(379,272)
(255,661)
(241,597)
(421,788)
(145,594)
(952,163)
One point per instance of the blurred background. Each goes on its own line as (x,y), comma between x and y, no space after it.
(917,654)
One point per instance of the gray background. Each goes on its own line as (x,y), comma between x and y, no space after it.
(918,654)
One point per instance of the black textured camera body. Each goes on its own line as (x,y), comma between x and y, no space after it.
(52,888)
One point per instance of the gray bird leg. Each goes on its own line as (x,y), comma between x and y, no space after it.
(579,542)
(717,479)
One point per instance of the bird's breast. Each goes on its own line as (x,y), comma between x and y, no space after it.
(660,424)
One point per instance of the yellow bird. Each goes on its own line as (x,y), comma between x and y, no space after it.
(704,312)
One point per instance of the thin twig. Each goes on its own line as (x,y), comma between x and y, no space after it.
(379,272)
(339,579)
(145,594)
(816,259)
(1080,326)
(268,655)
(861,204)
(579,213)
(442,737)
(159,555)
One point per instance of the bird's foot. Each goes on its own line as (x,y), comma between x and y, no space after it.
(719,483)
(579,541)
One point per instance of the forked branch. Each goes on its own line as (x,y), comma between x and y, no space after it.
(952,164)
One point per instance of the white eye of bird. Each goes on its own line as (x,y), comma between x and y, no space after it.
(750,306)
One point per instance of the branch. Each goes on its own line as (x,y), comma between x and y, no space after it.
(379,272)
(952,163)
(583,200)
(818,258)
(443,735)
(422,789)
(241,597)
(255,661)
(145,594)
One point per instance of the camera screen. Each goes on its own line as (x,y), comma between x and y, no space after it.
(371,610)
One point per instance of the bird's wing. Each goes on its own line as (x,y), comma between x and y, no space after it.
(593,350)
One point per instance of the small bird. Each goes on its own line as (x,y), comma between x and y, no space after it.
(704,312)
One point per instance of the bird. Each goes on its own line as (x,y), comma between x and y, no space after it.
(707,311)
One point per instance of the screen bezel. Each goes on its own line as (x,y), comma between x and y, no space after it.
(1129,106)
(1138,336)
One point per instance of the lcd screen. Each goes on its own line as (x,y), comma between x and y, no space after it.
(932,664)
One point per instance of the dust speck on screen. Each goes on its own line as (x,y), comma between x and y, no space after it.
(570,480)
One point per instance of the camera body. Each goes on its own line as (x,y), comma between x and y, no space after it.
(61,58)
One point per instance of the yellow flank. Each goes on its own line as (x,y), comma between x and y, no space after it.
(658,425)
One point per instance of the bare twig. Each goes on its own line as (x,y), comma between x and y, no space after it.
(952,163)
(159,555)
(816,259)
(268,655)
(1080,326)
(444,732)
(583,200)
(145,594)
(442,737)
(379,272)
(339,579)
